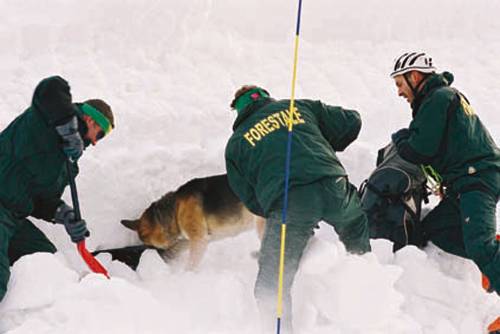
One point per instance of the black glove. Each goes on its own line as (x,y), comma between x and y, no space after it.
(77,229)
(72,141)
(400,135)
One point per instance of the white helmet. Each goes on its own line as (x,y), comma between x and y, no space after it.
(413,61)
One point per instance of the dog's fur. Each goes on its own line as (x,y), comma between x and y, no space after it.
(200,211)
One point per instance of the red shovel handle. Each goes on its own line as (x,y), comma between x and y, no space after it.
(94,265)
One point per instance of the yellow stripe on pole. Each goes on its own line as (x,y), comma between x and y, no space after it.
(281,270)
(283,225)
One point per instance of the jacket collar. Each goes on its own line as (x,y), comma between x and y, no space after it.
(433,82)
(249,110)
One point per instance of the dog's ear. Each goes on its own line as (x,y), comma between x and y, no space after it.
(131,224)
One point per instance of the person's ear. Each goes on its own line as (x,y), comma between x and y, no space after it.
(416,77)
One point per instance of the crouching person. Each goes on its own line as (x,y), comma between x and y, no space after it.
(448,137)
(34,149)
(318,185)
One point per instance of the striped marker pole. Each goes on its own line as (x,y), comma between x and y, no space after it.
(291,114)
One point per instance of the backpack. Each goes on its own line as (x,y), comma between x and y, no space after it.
(392,199)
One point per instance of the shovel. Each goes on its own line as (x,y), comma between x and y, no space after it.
(94,265)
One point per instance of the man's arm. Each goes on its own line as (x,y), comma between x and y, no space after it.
(52,98)
(46,204)
(242,188)
(45,208)
(339,126)
(427,130)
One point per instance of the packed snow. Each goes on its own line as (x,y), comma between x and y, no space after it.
(169,70)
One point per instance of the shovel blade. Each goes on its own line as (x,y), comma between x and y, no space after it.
(94,265)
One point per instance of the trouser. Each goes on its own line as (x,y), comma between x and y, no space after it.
(18,237)
(464,224)
(333,200)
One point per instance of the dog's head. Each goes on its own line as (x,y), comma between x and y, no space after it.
(157,225)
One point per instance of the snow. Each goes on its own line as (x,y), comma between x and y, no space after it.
(169,69)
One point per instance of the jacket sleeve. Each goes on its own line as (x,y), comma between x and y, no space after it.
(45,204)
(427,130)
(52,98)
(45,208)
(242,188)
(339,126)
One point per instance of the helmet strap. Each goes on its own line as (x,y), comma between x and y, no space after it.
(413,89)
(421,83)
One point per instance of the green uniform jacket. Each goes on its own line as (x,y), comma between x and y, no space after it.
(256,152)
(32,164)
(447,134)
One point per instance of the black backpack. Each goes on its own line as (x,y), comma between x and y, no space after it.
(392,199)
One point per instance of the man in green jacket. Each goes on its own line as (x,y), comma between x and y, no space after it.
(448,139)
(34,149)
(318,185)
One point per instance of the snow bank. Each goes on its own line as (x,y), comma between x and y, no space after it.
(169,70)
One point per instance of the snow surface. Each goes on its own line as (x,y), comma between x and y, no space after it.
(169,69)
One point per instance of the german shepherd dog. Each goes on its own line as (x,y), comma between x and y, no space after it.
(199,211)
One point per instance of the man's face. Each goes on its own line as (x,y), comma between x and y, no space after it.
(94,132)
(403,89)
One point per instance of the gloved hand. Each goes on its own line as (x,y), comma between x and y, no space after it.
(72,141)
(77,229)
(400,135)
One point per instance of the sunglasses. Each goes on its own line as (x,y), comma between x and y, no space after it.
(100,135)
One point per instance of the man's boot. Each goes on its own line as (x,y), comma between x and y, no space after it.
(494,327)
(485,282)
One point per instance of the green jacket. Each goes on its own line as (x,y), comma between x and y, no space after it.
(447,134)
(32,164)
(256,152)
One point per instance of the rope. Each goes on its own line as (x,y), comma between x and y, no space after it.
(435,180)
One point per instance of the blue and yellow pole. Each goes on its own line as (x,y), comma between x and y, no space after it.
(291,114)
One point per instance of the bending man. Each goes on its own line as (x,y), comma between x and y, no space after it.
(34,149)
(318,185)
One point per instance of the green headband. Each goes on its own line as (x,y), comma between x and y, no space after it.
(97,116)
(245,99)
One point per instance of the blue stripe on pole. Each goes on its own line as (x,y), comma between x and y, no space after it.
(287,175)
(298,18)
